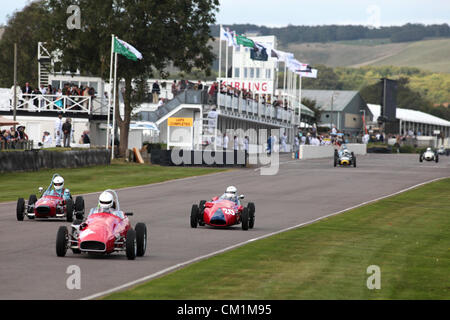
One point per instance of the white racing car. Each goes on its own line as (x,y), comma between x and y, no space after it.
(429,155)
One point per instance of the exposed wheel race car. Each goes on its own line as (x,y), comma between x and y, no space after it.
(223,212)
(50,206)
(443,151)
(429,155)
(344,158)
(103,232)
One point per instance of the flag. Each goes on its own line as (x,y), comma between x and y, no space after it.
(127,50)
(246,42)
(308,74)
(228,36)
(259,53)
(281,56)
(296,66)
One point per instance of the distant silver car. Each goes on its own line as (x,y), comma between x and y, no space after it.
(429,155)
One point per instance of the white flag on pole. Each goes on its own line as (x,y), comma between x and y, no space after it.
(228,36)
(310,74)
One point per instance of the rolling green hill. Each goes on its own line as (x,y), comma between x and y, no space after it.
(431,55)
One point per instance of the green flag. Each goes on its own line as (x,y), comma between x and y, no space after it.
(246,42)
(126,49)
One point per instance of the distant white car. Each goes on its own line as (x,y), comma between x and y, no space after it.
(429,155)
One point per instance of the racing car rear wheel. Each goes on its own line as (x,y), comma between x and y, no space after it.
(335,161)
(201,208)
(245,219)
(194,216)
(69,210)
(62,238)
(437,158)
(421,158)
(141,238)
(31,201)
(79,207)
(354,161)
(20,209)
(131,245)
(251,213)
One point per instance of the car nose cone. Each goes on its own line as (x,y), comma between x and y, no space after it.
(218,218)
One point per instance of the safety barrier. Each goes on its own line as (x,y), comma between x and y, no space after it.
(42,159)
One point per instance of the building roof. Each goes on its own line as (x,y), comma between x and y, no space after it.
(411,116)
(341,98)
(307,111)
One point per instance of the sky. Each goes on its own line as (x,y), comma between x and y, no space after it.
(279,13)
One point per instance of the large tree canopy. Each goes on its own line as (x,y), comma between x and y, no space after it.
(163,31)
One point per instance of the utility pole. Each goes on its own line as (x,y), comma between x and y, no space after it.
(15,84)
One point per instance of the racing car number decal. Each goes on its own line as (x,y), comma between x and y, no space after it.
(229,211)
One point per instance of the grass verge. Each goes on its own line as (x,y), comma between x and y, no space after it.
(405,235)
(93,179)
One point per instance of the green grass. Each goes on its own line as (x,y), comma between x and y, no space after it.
(92,179)
(407,236)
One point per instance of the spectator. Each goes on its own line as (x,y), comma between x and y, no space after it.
(284,142)
(22,135)
(18,95)
(246,143)
(58,129)
(199,85)
(46,140)
(27,91)
(225,142)
(236,143)
(174,88)
(212,93)
(156,91)
(67,130)
(161,102)
(85,137)
(13,134)
(36,93)
(59,99)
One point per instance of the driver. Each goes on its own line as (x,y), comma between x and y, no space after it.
(106,204)
(58,189)
(344,150)
(231,194)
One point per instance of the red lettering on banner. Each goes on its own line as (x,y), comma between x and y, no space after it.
(264,86)
(237,85)
(256,86)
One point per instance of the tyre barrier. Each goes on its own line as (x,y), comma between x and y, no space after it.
(199,158)
(35,160)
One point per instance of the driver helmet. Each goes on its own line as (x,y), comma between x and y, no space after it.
(428,149)
(58,183)
(106,200)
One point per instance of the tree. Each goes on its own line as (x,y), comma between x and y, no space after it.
(26,28)
(163,31)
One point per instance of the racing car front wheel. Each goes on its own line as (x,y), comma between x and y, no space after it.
(69,210)
(62,239)
(421,158)
(194,216)
(141,238)
(201,208)
(437,158)
(31,201)
(131,245)
(20,210)
(245,219)
(251,214)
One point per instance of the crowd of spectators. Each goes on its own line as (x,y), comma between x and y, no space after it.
(12,138)
(27,93)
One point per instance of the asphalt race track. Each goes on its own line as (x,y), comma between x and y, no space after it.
(300,192)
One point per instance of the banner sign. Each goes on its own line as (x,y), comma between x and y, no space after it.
(261,87)
(180,122)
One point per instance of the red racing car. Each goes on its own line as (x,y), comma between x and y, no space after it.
(51,205)
(223,211)
(106,230)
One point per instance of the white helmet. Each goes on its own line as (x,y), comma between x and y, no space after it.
(232,190)
(58,183)
(106,200)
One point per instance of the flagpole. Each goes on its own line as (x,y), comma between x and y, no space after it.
(300,98)
(220,66)
(110,90)
(114,106)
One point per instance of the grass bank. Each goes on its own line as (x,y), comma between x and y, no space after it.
(405,235)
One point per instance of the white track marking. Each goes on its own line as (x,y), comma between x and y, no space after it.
(183,264)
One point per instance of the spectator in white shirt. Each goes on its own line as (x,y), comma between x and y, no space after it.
(236,143)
